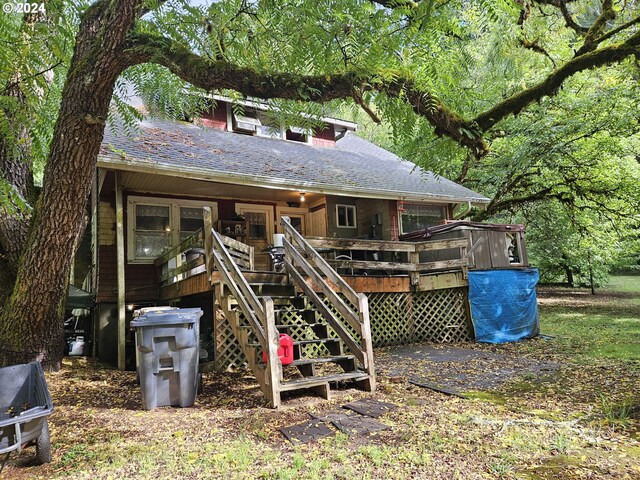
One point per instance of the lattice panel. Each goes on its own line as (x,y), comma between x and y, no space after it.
(403,318)
(396,319)
(390,318)
(348,327)
(228,352)
(300,330)
(441,316)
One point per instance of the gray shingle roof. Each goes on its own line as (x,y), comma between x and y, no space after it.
(354,167)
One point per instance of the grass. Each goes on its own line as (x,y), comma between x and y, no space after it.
(578,422)
(605,325)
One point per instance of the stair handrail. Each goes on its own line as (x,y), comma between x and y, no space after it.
(357,315)
(259,314)
(321,263)
(240,288)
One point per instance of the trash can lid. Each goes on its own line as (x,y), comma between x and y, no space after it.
(168,317)
(142,311)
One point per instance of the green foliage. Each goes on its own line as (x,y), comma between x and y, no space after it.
(33,61)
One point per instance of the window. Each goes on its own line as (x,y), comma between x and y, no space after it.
(157,224)
(346,216)
(417,217)
(191,220)
(152,230)
(257,225)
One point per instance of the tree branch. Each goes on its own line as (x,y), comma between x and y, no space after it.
(591,40)
(357,97)
(619,29)
(221,74)
(396,3)
(535,46)
(568,19)
(551,85)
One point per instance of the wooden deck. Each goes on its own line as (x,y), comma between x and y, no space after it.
(199,283)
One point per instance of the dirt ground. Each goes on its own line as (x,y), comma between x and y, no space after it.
(540,411)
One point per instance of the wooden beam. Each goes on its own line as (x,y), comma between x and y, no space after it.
(431,245)
(442,264)
(414,275)
(369,284)
(353,244)
(372,265)
(442,280)
(120,256)
(184,268)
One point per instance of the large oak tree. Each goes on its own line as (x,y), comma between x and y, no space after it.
(391,53)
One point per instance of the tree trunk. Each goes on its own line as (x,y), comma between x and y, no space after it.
(31,320)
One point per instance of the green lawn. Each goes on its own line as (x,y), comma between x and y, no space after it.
(605,325)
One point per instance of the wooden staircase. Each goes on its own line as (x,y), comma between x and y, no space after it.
(329,325)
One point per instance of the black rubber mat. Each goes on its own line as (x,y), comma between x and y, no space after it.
(306,432)
(370,407)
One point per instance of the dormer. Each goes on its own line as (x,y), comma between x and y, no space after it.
(252,119)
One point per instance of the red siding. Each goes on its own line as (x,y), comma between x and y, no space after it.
(324,137)
(217,119)
(141,280)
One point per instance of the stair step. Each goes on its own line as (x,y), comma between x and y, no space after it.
(315,340)
(336,358)
(315,381)
(299,325)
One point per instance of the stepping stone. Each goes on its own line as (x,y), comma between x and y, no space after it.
(370,407)
(306,432)
(352,423)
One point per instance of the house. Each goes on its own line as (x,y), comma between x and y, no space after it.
(340,200)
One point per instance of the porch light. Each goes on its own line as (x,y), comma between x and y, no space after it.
(401,206)
(302,196)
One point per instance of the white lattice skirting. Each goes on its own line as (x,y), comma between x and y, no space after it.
(396,319)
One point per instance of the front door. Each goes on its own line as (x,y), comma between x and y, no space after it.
(260,234)
(298,217)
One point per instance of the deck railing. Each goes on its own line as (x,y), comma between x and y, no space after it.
(353,307)
(175,264)
(410,251)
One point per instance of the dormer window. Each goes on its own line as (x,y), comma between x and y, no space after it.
(246,123)
(297,134)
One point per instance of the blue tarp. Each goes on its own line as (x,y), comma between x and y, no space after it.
(503,304)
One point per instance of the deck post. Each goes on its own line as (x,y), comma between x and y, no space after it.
(208,241)
(120,272)
(414,275)
(363,311)
(274,367)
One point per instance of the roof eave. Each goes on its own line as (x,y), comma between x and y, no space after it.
(280,184)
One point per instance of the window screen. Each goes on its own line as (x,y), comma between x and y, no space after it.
(153,230)
(417,217)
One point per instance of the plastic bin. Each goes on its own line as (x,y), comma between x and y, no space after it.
(167,353)
(25,403)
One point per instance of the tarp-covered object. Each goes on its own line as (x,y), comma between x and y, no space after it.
(78,298)
(503,304)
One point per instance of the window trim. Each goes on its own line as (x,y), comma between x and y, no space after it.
(174,205)
(355,217)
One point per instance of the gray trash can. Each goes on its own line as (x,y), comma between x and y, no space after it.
(167,354)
